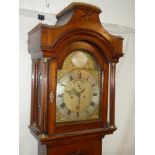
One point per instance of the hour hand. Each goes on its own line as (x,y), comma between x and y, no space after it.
(71,92)
(82,91)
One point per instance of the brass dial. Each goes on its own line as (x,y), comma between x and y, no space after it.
(77,95)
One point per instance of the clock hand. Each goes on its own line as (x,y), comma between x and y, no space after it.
(80,95)
(75,92)
(82,91)
(72,92)
(79,99)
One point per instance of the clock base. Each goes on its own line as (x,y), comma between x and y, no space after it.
(72,146)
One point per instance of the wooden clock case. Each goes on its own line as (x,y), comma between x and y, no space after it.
(78,27)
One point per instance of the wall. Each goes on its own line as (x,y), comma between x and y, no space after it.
(122,141)
(120,12)
(28,145)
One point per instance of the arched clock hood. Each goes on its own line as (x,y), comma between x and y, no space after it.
(78,21)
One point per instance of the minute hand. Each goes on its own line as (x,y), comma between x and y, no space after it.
(78,93)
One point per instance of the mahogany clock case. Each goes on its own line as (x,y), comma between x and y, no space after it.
(78,28)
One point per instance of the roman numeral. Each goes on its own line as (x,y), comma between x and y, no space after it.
(61,84)
(94,94)
(62,105)
(68,112)
(87,112)
(61,95)
(70,77)
(92,103)
(93,85)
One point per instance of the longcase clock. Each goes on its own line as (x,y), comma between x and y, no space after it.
(73,82)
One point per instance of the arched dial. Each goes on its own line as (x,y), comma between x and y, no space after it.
(77,95)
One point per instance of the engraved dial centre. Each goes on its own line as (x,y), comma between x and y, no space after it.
(78,94)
